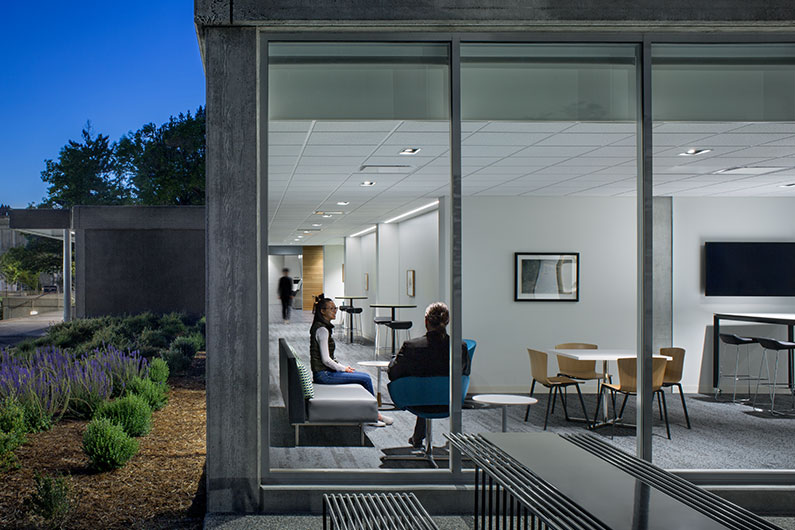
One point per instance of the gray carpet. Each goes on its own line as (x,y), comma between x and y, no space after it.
(724,435)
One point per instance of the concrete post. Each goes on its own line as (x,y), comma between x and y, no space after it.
(67,275)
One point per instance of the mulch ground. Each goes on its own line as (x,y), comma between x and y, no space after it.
(162,486)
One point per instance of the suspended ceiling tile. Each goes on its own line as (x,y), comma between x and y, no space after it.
(488,150)
(426,152)
(553,151)
(593,140)
(503,138)
(288,125)
(765,151)
(286,138)
(424,126)
(420,139)
(696,128)
(334,151)
(771,127)
(746,139)
(679,139)
(527,127)
(604,127)
(346,138)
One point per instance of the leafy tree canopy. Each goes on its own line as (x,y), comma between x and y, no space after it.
(24,264)
(152,166)
(166,164)
(84,174)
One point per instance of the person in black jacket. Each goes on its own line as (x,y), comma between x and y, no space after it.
(286,293)
(427,356)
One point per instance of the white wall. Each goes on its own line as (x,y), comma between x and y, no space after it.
(419,244)
(602,230)
(332,274)
(695,221)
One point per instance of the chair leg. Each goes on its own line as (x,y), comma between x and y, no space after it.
(665,411)
(684,407)
(623,405)
(561,392)
(549,401)
(763,362)
(582,404)
(599,398)
(615,417)
(532,388)
(659,406)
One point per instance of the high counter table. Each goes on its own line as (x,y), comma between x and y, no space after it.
(350,316)
(784,319)
(394,307)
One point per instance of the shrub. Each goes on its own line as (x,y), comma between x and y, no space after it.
(12,432)
(171,325)
(176,361)
(51,499)
(135,325)
(132,412)
(37,418)
(154,394)
(198,340)
(184,345)
(107,445)
(158,370)
(202,325)
(153,337)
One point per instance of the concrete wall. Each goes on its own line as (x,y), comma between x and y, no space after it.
(237,275)
(132,259)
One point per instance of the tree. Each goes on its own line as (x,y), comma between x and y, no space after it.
(25,264)
(166,164)
(85,174)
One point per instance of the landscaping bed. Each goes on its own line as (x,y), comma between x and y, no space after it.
(102,425)
(162,486)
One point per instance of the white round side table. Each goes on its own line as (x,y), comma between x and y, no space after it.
(379,366)
(504,401)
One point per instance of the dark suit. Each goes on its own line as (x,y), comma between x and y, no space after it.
(426,356)
(285,294)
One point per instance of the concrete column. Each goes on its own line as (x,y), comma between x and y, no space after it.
(67,275)
(662,248)
(234,262)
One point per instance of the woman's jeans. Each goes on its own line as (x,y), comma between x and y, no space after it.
(327,377)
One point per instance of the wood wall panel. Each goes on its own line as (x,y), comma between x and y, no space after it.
(312,275)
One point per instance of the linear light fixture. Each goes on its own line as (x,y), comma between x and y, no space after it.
(790,185)
(367,183)
(320,212)
(416,210)
(366,230)
(343,203)
(317,224)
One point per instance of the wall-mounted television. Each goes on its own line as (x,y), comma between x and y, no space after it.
(749,269)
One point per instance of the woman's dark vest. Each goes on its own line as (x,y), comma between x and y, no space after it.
(314,348)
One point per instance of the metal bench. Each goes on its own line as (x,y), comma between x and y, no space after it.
(376,511)
(578,482)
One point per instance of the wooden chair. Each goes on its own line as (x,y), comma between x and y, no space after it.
(673,374)
(583,370)
(628,385)
(538,368)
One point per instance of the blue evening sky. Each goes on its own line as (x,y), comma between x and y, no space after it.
(117,64)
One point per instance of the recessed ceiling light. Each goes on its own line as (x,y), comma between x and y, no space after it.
(307,232)
(695,151)
(343,203)
(299,237)
(327,215)
(791,184)
(410,151)
(296,240)
(367,183)
(385,168)
(317,224)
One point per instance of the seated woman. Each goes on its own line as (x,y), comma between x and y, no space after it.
(325,368)
(427,356)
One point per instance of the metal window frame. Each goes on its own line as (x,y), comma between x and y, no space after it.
(643,41)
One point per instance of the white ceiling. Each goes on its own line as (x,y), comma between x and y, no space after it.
(314,164)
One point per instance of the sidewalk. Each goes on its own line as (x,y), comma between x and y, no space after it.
(16,330)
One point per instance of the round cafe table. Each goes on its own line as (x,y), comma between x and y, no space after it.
(504,401)
(379,366)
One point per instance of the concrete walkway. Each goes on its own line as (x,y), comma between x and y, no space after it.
(16,330)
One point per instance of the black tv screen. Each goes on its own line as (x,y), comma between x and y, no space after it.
(750,269)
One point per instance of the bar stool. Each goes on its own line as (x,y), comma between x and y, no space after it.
(736,340)
(379,322)
(396,326)
(346,320)
(356,320)
(777,346)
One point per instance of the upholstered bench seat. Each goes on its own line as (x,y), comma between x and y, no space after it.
(342,404)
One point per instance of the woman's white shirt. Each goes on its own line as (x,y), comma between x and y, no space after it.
(321,335)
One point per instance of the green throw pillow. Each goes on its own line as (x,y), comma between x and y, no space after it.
(305,374)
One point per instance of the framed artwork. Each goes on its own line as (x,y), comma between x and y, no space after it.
(546,276)
(410,282)
(366,282)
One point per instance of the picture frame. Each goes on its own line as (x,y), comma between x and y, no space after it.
(546,276)
(410,282)
(366,281)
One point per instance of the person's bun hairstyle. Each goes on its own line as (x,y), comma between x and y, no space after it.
(437,314)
